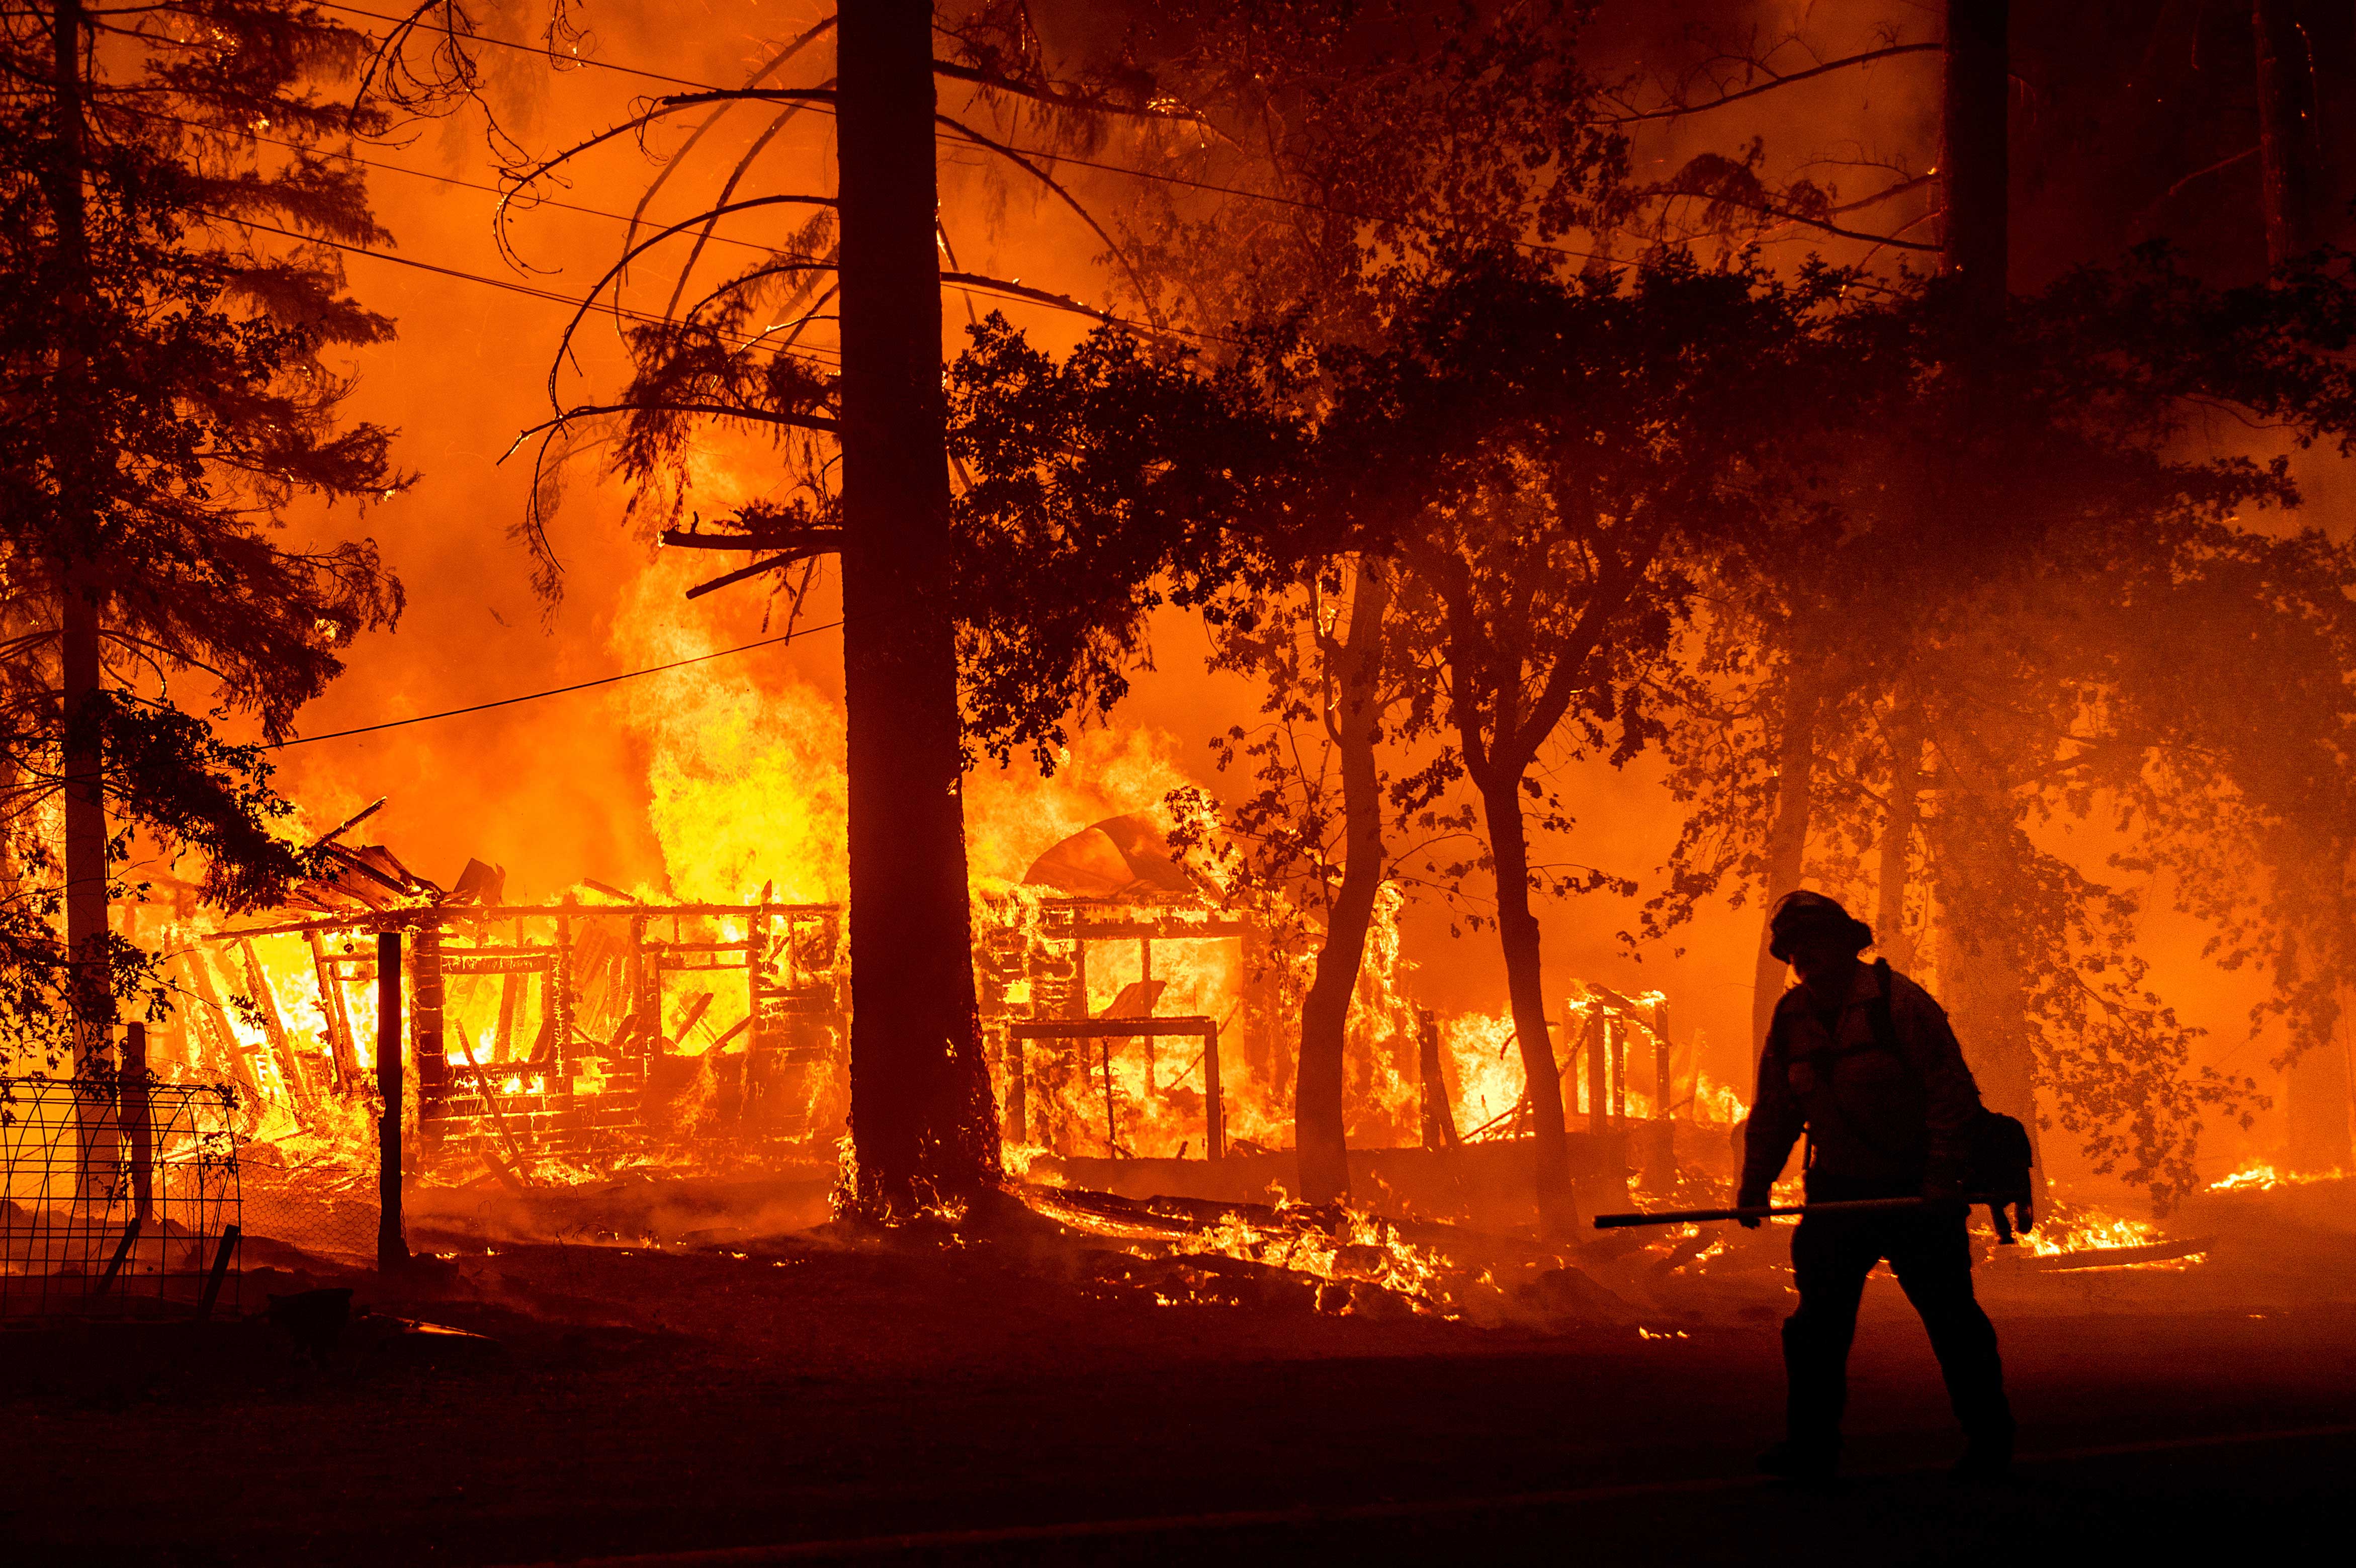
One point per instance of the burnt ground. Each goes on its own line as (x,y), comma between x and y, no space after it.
(997,1399)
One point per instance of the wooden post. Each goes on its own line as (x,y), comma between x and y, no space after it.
(646,989)
(511,988)
(1664,1135)
(1663,1086)
(130,1239)
(1439,1117)
(1214,1110)
(2288,146)
(391,1250)
(1145,989)
(136,1117)
(1598,1074)
(221,1255)
(1112,1132)
(1615,1037)
(1013,1068)
(921,1124)
(76,464)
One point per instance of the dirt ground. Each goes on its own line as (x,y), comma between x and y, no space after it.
(1010,1396)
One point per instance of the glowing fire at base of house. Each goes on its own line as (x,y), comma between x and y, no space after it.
(1127,1014)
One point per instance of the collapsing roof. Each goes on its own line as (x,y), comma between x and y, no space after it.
(1120,857)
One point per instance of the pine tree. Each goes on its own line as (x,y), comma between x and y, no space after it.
(168,404)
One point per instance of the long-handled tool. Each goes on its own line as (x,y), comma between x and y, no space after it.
(1769,1211)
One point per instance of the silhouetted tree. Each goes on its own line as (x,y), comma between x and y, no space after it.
(1353,147)
(1549,462)
(168,403)
(1984,627)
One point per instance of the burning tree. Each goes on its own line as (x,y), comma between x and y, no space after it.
(169,404)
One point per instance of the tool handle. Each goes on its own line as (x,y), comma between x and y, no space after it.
(1766,1211)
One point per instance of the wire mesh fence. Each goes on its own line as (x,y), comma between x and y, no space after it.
(325,1207)
(120,1195)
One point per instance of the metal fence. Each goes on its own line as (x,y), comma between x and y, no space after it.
(327,1207)
(120,1197)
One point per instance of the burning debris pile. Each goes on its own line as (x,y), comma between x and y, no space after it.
(543,1042)
(1289,1256)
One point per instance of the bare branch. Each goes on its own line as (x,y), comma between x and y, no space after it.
(1061,100)
(1723,199)
(1677,110)
(1024,291)
(1035,172)
(770,565)
(589,300)
(689,538)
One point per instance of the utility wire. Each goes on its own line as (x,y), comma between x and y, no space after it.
(549,55)
(968,289)
(448,179)
(552,296)
(554,690)
(1204,185)
(1015,294)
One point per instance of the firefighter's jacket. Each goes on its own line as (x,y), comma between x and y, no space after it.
(1873,1118)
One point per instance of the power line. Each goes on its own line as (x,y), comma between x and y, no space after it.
(529,291)
(1018,296)
(1012,292)
(537,201)
(547,54)
(1071,159)
(554,690)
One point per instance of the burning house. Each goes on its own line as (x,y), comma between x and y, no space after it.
(1138,1031)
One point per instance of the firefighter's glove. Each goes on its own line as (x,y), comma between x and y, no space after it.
(1750,1198)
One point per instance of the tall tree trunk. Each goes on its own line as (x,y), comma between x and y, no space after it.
(1974,170)
(2288,146)
(1518,935)
(1787,835)
(73,460)
(1898,817)
(922,1126)
(1318,1127)
(2317,1090)
(1980,982)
